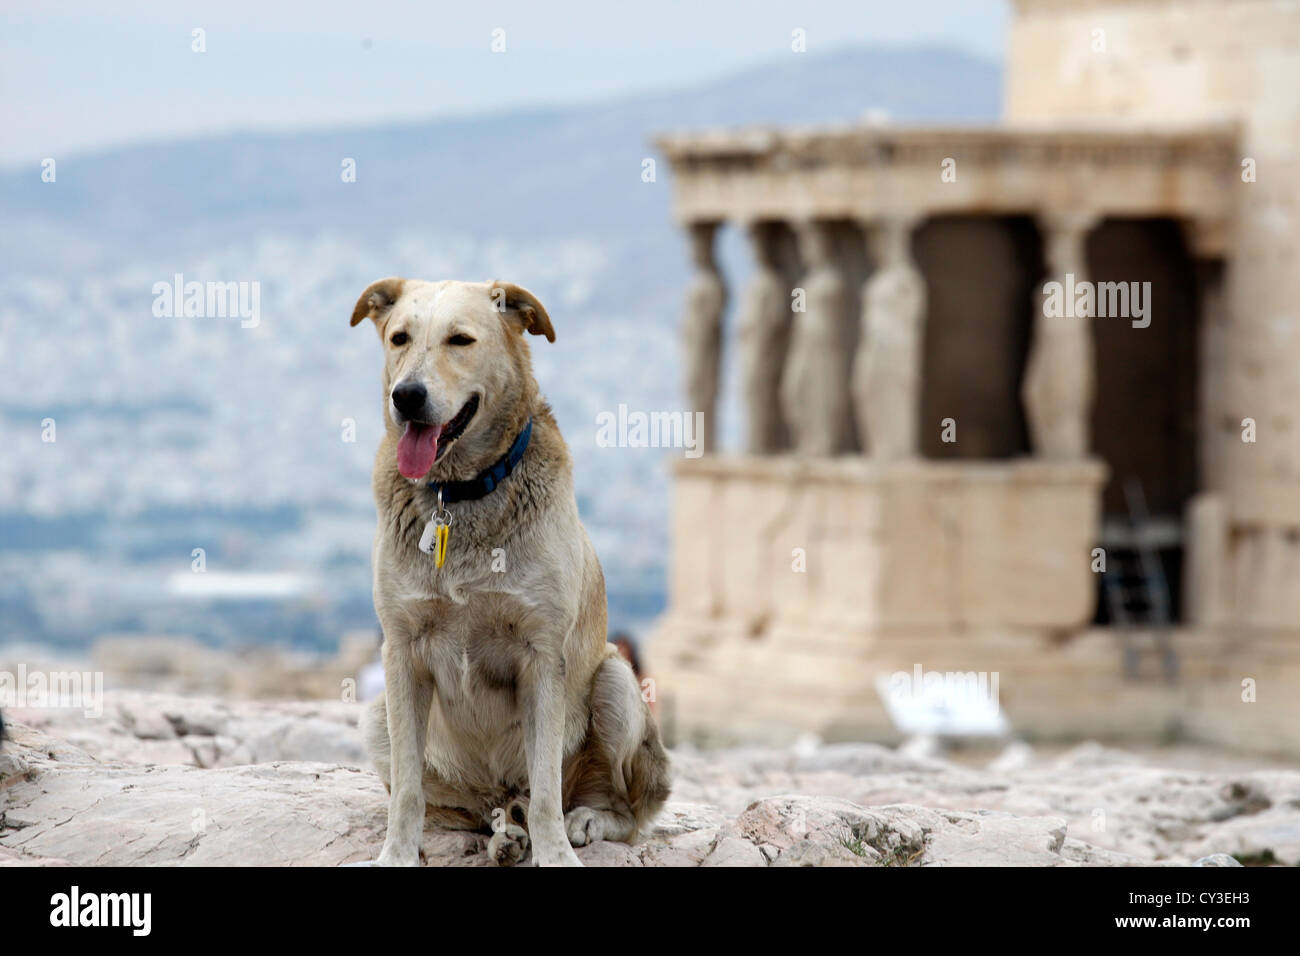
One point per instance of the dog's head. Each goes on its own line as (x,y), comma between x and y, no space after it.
(455,363)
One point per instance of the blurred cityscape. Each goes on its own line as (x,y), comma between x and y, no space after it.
(255,444)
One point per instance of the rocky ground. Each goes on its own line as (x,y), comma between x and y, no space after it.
(162,779)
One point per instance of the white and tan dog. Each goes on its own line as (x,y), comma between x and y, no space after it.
(505,709)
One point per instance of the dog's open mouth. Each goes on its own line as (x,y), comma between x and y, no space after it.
(454,428)
(423,443)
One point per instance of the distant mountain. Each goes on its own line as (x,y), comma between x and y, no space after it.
(544,173)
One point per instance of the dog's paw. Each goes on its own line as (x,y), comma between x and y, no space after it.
(393,857)
(560,856)
(583,826)
(508,846)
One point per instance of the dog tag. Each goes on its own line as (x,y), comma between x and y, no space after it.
(434,539)
(440,545)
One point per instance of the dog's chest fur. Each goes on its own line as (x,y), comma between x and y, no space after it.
(476,655)
(474,649)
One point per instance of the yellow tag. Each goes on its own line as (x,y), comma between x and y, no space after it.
(440,545)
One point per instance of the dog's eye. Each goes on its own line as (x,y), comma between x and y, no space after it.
(460,339)
(399,338)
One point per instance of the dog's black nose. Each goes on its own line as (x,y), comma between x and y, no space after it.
(409,399)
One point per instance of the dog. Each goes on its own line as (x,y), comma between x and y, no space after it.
(505,710)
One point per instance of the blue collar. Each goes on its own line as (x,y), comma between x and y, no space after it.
(486,481)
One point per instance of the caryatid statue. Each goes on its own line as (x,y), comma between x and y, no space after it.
(815,384)
(887,367)
(764,338)
(1060,378)
(702,329)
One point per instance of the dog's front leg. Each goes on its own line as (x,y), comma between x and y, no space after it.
(409,699)
(544,748)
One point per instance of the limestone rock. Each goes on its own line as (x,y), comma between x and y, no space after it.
(141,727)
(1272,837)
(259,783)
(733,851)
(990,838)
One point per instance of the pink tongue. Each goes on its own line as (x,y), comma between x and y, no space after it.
(417,449)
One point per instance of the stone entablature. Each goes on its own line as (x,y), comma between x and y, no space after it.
(865,172)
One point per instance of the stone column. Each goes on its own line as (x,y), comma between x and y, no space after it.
(764,334)
(1207,574)
(1207,561)
(815,384)
(1215,343)
(887,367)
(1060,375)
(702,329)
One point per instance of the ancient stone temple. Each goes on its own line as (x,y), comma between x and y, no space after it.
(1022,399)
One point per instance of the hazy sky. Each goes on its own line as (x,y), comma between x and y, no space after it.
(76,76)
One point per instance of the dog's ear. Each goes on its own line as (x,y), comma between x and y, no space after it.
(377,299)
(523,308)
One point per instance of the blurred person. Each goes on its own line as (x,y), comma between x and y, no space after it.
(628,650)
